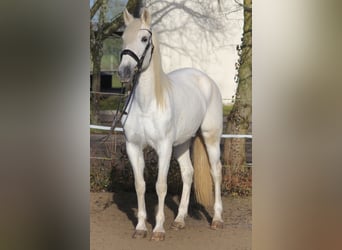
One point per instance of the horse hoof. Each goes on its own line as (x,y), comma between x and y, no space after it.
(216,225)
(176,225)
(139,234)
(158,236)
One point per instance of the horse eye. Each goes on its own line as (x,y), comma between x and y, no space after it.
(144,39)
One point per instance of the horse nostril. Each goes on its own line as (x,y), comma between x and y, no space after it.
(125,73)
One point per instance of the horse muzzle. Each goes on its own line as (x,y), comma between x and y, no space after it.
(125,74)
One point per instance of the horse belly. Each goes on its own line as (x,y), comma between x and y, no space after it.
(187,105)
(188,119)
(191,95)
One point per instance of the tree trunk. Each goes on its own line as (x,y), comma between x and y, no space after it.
(236,176)
(96,83)
(104,30)
(96,45)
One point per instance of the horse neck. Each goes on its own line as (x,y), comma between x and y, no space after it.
(151,86)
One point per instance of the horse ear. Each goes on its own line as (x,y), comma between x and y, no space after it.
(127,17)
(146,17)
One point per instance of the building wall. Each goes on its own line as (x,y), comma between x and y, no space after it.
(200,34)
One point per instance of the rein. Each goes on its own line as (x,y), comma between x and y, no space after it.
(137,72)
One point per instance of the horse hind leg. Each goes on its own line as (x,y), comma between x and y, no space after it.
(182,155)
(212,143)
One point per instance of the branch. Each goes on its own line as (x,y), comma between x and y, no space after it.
(118,21)
(95,8)
(163,15)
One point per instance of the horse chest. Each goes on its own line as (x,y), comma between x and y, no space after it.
(150,128)
(147,129)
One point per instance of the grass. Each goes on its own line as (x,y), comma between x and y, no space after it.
(98,131)
(116,81)
(110,103)
(106,103)
(227,108)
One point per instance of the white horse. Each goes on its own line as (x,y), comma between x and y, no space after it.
(166,111)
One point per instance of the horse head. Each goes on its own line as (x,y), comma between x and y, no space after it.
(137,45)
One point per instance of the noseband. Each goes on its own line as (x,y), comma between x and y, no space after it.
(140,60)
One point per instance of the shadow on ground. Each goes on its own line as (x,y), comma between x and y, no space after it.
(127,203)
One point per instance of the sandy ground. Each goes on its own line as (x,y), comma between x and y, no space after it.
(113,216)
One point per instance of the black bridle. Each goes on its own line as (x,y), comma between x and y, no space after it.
(140,60)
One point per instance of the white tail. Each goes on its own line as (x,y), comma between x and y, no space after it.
(203,184)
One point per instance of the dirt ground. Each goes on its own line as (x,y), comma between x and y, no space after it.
(113,217)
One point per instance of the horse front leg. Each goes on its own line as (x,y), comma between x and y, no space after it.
(136,158)
(164,156)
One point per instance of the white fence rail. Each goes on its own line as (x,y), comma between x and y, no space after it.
(99,127)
